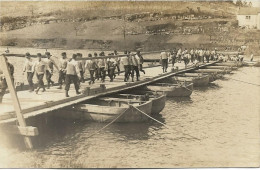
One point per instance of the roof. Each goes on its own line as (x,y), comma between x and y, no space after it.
(249,11)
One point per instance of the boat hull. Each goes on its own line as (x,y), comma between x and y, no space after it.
(158,104)
(197,81)
(99,113)
(173,91)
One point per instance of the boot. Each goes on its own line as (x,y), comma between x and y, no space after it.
(67,93)
(132,79)
(43,90)
(137,79)
(37,90)
(77,92)
(48,86)
(60,87)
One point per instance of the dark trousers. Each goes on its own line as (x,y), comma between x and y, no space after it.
(48,77)
(71,78)
(91,73)
(127,71)
(192,58)
(136,71)
(111,72)
(118,67)
(61,77)
(40,81)
(164,64)
(97,73)
(207,58)
(173,61)
(30,80)
(131,71)
(141,68)
(81,77)
(102,73)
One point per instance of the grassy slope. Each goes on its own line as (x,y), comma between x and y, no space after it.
(105,33)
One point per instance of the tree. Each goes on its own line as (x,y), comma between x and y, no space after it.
(239,3)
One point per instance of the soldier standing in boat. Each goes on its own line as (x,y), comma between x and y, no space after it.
(62,69)
(125,63)
(72,75)
(49,70)
(40,69)
(29,69)
(3,83)
(164,60)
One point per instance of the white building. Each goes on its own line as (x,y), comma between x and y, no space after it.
(249,17)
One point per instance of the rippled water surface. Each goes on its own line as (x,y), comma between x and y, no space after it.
(218,126)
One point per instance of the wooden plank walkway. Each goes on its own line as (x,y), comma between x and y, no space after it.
(35,104)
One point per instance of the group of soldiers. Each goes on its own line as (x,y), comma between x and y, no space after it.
(99,66)
(72,70)
(193,56)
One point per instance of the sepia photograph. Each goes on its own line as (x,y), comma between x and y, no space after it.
(130,84)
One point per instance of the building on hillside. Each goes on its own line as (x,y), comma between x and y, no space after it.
(249,17)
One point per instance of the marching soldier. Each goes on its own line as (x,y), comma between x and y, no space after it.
(91,66)
(62,69)
(49,70)
(138,53)
(111,63)
(40,69)
(29,69)
(72,74)
(164,60)
(81,68)
(125,62)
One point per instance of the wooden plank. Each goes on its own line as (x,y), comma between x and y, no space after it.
(16,102)
(25,131)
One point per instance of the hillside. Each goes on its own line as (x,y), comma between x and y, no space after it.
(120,25)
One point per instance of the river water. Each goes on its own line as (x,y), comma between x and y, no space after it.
(218,126)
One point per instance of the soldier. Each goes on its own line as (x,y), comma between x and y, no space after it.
(102,67)
(91,65)
(164,60)
(81,64)
(62,69)
(117,59)
(138,53)
(72,75)
(125,62)
(111,63)
(29,69)
(3,84)
(207,55)
(40,69)
(97,70)
(49,69)
(136,65)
